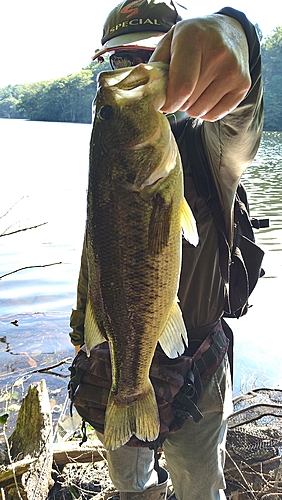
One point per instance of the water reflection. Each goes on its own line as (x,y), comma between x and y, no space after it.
(258,339)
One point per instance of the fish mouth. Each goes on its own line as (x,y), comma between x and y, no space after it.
(131,81)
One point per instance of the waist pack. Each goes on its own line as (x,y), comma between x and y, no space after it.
(178,383)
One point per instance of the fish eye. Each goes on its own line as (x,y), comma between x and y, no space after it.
(106,112)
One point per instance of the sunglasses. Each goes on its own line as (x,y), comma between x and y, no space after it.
(120,59)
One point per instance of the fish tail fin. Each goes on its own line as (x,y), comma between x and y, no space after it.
(123,421)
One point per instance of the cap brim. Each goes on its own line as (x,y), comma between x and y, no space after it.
(145,40)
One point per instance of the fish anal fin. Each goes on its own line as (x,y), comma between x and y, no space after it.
(188,224)
(174,337)
(92,333)
(159,226)
(123,421)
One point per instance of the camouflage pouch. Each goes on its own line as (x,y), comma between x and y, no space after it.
(178,384)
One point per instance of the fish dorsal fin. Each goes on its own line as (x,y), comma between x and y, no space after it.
(174,337)
(93,335)
(188,224)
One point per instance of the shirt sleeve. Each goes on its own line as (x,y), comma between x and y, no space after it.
(232,142)
(78,313)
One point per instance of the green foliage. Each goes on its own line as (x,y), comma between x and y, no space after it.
(8,101)
(259,32)
(64,100)
(67,99)
(272,77)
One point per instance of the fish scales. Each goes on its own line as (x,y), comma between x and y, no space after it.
(135,214)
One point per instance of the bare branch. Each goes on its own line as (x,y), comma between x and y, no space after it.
(1,216)
(29,267)
(49,369)
(24,229)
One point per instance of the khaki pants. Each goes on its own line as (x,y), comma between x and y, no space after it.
(195,454)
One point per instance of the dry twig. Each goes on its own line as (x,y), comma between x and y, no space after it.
(29,267)
(24,229)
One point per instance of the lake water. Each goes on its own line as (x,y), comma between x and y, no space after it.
(44,170)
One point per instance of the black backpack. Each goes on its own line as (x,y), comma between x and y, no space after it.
(240,265)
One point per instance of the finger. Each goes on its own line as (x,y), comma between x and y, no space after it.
(223,102)
(204,86)
(162,51)
(182,84)
(212,113)
(219,98)
(184,69)
(180,89)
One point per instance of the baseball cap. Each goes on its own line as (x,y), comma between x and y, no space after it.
(137,24)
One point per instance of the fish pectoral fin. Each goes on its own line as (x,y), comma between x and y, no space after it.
(159,226)
(123,421)
(188,224)
(92,332)
(174,337)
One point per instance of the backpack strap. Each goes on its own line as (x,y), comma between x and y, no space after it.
(76,375)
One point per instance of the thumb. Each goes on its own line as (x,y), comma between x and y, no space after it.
(162,50)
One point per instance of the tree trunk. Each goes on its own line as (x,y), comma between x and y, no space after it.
(28,476)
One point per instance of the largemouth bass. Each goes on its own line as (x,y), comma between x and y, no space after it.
(136,215)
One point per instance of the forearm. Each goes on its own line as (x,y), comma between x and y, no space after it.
(78,313)
(232,142)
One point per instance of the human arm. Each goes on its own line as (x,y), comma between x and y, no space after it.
(230,142)
(78,313)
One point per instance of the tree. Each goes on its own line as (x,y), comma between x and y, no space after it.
(8,101)
(272,77)
(273,99)
(32,102)
(67,99)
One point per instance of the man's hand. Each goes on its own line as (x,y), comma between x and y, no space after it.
(209,66)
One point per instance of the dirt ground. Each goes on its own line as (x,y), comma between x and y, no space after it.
(83,481)
(88,481)
(92,481)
